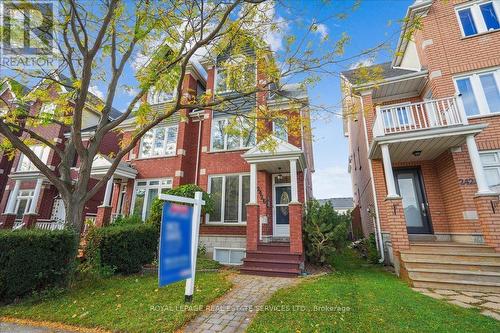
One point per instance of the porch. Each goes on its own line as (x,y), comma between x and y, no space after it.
(433,182)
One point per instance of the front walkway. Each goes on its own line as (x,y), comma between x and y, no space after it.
(488,303)
(234,311)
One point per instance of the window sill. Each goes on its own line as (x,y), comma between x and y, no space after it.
(222,224)
(479,116)
(151,158)
(229,150)
(480,34)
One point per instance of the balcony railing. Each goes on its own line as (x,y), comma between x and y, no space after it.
(402,118)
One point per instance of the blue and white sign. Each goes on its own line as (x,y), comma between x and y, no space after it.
(175,243)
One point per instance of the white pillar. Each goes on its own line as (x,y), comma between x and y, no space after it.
(389,176)
(36,196)
(11,205)
(253,183)
(482,185)
(107,194)
(293,180)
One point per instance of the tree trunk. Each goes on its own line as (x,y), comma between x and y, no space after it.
(74,214)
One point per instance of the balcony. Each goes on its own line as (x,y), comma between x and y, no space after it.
(431,114)
(421,131)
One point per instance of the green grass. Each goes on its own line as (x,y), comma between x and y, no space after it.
(370,300)
(125,304)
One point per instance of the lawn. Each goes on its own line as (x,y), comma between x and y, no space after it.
(130,304)
(362,298)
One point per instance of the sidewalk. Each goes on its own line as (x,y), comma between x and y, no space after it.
(16,328)
(234,311)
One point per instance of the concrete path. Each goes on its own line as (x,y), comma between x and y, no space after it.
(234,311)
(488,303)
(15,328)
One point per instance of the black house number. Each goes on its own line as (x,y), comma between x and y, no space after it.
(467,181)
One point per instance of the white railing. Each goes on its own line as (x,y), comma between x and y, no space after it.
(18,225)
(436,113)
(49,225)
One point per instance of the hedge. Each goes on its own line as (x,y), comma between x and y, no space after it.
(33,260)
(125,248)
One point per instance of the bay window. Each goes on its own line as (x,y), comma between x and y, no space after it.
(479,17)
(25,164)
(230,194)
(159,141)
(480,92)
(145,191)
(23,203)
(232,133)
(491,166)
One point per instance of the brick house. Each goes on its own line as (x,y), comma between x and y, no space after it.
(29,199)
(424,142)
(259,194)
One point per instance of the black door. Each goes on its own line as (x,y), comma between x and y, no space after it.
(410,188)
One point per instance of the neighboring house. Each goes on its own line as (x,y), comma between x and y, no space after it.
(29,199)
(340,205)
(424,144)
(258,193)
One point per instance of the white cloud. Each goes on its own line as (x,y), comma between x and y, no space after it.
(332,182)
(96,91)
(362,63)
(322,30)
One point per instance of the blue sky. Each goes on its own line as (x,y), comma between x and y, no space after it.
(367,26)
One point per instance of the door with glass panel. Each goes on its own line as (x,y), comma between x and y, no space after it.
(282,193)
(410,188)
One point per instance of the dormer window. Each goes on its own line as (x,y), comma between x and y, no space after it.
(479,17)
(158,96)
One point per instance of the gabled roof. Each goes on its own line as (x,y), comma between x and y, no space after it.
(281,151)
(102,163)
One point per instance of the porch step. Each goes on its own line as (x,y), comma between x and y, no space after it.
(273,255)
(272,259)
(281,272)
(271,263)
(274,247)
(422,238)
(448,265)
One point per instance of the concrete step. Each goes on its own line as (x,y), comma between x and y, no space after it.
(492,259)
(270,271)
(422,238)
(478,267)
(271,263)
(438,275)
(276,256)
(449,247)
(458,285)
(274,247)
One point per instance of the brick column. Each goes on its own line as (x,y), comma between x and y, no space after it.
(29,220)
(103,216)
(488,209)
(252,226)
(295,216)
(7,221)
(396,224)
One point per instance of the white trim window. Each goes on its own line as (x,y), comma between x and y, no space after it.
(23,203)
(158,142)
(230,194)
(246,74)
(491,165)
(227,135)
(229,256)
(478,17)
(157,96)
(48,109)
(480,92)
(25,164)
(145,191)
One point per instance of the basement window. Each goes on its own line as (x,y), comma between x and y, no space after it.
(229,256)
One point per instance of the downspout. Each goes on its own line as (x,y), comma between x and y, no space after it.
(375,202)
(199,117)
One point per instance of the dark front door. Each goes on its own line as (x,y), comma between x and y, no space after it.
(410,188)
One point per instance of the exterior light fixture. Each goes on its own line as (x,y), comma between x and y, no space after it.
(280,176)
(417,153)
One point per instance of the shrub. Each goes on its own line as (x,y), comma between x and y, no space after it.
(34,260)
(368,249)
(122,248)
(130,219)
(325,231)
(186,191)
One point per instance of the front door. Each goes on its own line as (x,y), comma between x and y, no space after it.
(282,195)
(410,188)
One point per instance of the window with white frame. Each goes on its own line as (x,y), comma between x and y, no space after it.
(23,202)
(480,92)
(159,141)
(478,17)
(157,96)
(231,133)
(491,166)
(229,256)
(145,191)
(280,129)
(397,115)
(244,73)
(48,108)
(25,164)
(230,194)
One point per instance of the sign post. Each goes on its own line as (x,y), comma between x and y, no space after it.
(179,236)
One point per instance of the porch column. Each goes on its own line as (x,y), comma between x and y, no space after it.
(389,176)
(293,180)
(482,185)
(107,194)
(104,211)
(36,196)
(11,204)
(253,183)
